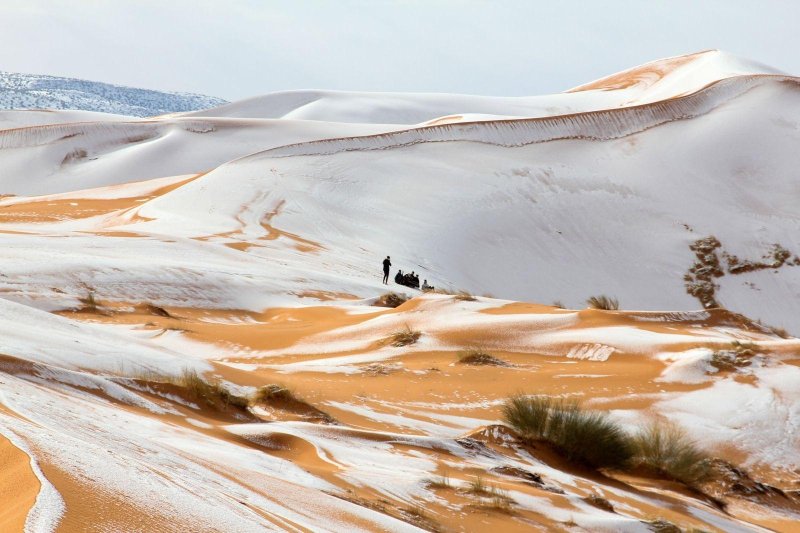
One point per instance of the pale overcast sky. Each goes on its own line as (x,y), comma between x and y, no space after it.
(239,48)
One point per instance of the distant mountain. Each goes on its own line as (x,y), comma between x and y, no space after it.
(33,91)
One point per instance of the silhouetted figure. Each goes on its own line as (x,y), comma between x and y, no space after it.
(398,278)
(386,264)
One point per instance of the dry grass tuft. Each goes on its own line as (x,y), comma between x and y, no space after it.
(391,299)
(662,526)
(478,486)
(480,358)
(668,451)
(598,501)
(212,393)
(464,296)
(279,397)
(588,437)
(440,482)
(603,302)
(779,332)
(404,337)
(737,356)
(499,502)
(197,388)
(89,303)
(274,393)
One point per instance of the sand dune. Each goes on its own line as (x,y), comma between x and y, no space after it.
(241,246)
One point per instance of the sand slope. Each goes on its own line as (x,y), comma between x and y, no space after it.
(243,244)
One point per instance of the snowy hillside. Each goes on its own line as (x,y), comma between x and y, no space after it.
(658,80)
(549,208)
(33,91)
(168,285)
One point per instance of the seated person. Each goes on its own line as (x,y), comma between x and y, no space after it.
(398,278)
(426,287)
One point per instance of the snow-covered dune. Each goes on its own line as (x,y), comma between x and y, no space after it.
(546,209)
(68,156)
(658,80)
(156,272)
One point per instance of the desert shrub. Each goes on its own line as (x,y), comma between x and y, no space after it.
(464,296)
(89,302)
(499,501)
(404,337)
(479,358)
(391,299)
(662,526)
(274,393)
(737,356)
(440,482)
(558,304)
(528,414)
(668,451)
(746,349)
(74,155)
(280,397)
(211,392)
(589,437)
(598,501)
(478,486)
(603,302)
(780,332)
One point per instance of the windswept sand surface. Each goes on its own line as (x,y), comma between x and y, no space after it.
(250,260)
(125,454)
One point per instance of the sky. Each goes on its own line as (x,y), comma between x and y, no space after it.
(239,48)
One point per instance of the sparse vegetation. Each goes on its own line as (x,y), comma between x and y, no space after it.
(213,393)
(274,393)
(557,304)
(739,355)
(528,415)
(603,302)
(158,311)
(491,497)
(588,437)
(775,258)
(391,299)
(464,296)
(478,486)
(780,332)
(500,502)
(75,155)
(666,450)
(598,501)
(477,357)
(197,388)
(418,516)
(404,337)
(279,397)
(699,281)
(440,482)
(89,302)
(662,526)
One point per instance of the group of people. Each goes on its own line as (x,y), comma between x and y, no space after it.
(409,280)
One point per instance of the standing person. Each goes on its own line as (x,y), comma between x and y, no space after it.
(386,264)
